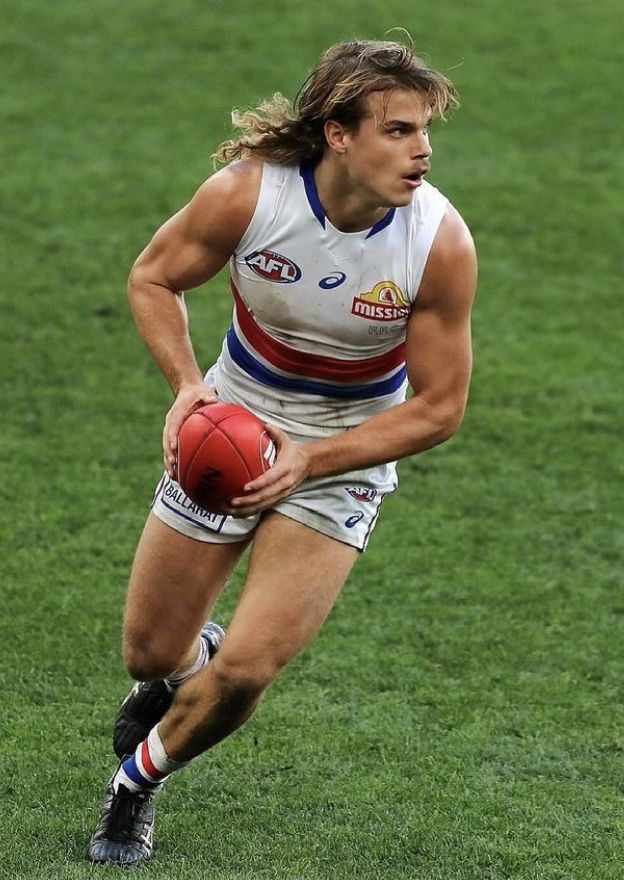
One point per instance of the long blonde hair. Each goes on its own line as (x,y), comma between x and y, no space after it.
(286,134)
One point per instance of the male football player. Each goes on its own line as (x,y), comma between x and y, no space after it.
(351,276)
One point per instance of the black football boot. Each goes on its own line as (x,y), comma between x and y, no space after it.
(148,701)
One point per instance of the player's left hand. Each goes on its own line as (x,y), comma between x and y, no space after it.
(291,468)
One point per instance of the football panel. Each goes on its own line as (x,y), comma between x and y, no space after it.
(246,434)
(217,473)
(191,436)
(218,412)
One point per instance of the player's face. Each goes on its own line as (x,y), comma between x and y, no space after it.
(388,154)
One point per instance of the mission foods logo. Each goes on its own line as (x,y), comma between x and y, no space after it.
(385,302)
(273,267)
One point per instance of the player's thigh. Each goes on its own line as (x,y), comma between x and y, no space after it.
(174,582)
(295,575)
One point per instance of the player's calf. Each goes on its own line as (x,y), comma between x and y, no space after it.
(213,705)
(148,701)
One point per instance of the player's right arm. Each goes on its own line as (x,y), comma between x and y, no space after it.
(190,248)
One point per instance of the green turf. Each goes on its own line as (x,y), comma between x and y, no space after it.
(459,718)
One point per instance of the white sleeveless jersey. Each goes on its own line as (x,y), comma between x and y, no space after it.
(317,337)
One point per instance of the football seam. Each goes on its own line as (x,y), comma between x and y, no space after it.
(213,425)
(232,415)
(196,453)
(242,460)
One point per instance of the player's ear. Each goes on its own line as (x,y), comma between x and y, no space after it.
(335,135)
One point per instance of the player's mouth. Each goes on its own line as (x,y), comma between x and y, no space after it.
(415,178)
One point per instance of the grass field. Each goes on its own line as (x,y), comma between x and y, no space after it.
(460,716)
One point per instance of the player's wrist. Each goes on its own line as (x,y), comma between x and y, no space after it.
(193,382)
(319,459)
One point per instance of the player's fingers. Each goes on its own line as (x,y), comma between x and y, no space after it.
(181,410)
(170,440)
(174,423)
(187,402)
(210,396)
(268,478)
(275,432)
(247,505)
(280,437)
(168,450)
(282,484)
(254,509)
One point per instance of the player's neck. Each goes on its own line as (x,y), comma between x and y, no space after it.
(348,208)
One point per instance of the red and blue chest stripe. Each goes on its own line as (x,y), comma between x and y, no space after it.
(273,363)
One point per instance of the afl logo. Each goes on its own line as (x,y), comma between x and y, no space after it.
(333,280)
(273,267)
(362,493)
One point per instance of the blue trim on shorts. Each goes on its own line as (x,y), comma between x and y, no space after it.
(190,518)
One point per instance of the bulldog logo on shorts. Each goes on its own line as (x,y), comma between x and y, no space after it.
(362,493)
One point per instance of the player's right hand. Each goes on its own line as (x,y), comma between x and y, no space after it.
(190,398)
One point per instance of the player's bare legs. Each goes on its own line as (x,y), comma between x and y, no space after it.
(294,577)
(173,586)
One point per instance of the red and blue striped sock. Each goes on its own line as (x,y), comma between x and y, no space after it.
(149,767)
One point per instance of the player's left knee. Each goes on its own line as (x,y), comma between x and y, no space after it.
(243,679)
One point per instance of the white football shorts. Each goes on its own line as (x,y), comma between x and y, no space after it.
(345,507)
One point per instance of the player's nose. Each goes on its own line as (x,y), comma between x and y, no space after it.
(422,148)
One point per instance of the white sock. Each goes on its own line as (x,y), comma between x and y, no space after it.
(149,767)
(174,681)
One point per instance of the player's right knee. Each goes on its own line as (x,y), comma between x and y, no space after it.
(147,659)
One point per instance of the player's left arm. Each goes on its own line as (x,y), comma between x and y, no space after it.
(439,362)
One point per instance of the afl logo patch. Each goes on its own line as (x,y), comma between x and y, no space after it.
(273,267)
(362,493)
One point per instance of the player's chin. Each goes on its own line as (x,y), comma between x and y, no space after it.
(403,197)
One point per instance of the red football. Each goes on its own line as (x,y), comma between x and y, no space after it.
(221,447)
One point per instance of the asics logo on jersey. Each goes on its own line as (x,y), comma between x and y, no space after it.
(385,302)
(273,267)
(333,280)
(362,493)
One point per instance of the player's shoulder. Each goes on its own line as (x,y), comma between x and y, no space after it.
(226,200)
(234,186)
(451,269)
(453,239)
